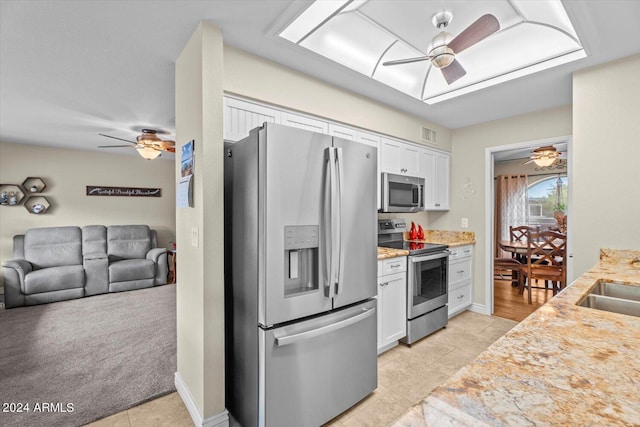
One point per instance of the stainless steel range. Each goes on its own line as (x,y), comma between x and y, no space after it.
(426,280)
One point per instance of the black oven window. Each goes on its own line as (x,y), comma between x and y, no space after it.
(432,281)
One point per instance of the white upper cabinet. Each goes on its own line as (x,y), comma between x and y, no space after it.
(394,156)
(374,141)
(398,157)
(242,116)
(342,131)
(304,122)
(434,168)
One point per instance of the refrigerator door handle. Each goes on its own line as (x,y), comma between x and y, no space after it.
(295,338)
(330,228)
(340,185)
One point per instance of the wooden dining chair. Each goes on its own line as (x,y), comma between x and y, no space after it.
(546,253)
(519,233)
(507,269)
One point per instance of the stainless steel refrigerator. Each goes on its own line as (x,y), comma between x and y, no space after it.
(300,236)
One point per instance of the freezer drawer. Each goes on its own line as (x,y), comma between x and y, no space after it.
(312,371)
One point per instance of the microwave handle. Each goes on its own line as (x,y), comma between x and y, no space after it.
(421,196)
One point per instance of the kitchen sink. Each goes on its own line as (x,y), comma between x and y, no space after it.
(615,298)
(617,290)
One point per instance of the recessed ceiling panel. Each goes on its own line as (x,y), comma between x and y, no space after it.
(532,36)
(350,40)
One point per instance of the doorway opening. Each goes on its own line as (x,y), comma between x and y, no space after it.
(544,202)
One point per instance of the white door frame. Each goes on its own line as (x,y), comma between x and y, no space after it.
(490,206)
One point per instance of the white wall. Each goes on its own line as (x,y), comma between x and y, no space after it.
(200,294)
(67,172)
(468,169)
(606,117)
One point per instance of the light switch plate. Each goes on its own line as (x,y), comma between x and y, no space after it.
(465,223)
(195,238)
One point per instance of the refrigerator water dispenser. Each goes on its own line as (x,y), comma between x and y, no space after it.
(300,259)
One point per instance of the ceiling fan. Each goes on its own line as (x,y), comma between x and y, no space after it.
(149,146)
(444,47)
(545,156)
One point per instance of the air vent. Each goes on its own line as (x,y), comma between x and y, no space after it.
(428,135)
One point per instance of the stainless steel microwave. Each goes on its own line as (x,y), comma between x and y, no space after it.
(401,193)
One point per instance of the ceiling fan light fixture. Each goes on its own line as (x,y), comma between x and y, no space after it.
(148,153)
(545,161)
(442,56)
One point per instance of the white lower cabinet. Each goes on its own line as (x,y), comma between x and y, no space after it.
(460,280)
(392,302)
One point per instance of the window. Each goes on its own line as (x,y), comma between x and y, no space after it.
(544,197)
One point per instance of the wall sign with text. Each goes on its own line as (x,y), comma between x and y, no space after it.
(93,190)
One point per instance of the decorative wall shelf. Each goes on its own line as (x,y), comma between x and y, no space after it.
(34,184)
(37,205)
(6,192)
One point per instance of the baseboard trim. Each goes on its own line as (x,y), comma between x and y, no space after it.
(218,420)
(479,308)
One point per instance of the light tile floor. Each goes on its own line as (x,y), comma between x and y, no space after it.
(405,376)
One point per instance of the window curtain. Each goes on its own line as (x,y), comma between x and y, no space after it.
(511,207)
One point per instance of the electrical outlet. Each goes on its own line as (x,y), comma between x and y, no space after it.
(465,223)
(195,238)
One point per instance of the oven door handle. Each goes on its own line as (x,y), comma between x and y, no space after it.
(415,259)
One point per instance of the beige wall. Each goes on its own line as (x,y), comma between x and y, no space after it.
(257,78)
(67,172)
(468,168)
(200,297)
(606,117)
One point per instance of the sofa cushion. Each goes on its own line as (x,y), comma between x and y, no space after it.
(54,279)
(128,241)
(131,269)
(53,246)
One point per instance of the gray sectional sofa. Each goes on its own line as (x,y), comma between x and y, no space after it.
(60,263)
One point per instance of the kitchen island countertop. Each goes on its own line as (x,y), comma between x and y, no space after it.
(563,365)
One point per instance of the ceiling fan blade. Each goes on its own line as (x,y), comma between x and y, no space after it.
(121,139)
(482,28)
(529,161)
(453,71)
(167,146)
(407,60)
(114,146)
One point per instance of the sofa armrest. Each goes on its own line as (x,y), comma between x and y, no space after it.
(159,257)
(96,273)
(21,266)
(14,275)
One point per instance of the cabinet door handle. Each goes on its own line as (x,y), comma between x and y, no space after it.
(384,284)
(461,296)
(395,265)
(460,271)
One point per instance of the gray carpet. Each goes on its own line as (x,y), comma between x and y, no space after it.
(101,355)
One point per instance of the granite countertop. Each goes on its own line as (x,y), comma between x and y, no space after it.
(450,238)
(384,253)
(562,365)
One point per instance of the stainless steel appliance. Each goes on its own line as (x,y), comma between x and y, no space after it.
(426,280)
(402,193)
(301,276)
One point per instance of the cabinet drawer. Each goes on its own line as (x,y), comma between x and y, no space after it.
(459,298)
(459,271)
(394,265)
(460,252)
